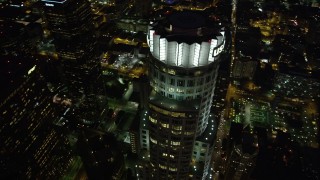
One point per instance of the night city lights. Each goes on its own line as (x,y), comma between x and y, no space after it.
(160,89)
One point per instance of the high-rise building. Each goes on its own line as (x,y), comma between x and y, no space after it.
(143,8)
(101,155)
(178,129)
(71,25)
(18,38)
(31,146)
(242,159)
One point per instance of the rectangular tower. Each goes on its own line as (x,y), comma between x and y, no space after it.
(71,24)
(31,147)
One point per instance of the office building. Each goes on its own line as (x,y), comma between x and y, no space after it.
(31,147)
(244,69)
(18,37)
(71,25)
(178,130)
(101,155)
(143,8)
(242,159)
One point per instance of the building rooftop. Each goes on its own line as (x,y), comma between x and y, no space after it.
(187,20)
(188,27)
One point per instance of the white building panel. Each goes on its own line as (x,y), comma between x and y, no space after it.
(156,46)
(150,39)
(180,51)
(213,44)
(172,53)
(196,54)
(204,53)
(191,54)
(220,39)
(163,49)
(223,34)
(185,54)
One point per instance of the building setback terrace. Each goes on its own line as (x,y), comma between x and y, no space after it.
(173,105)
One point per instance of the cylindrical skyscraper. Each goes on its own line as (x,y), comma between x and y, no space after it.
(185,49)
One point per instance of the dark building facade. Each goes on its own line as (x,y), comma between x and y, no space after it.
(242,158)
(31,146)
(71,25)
(101,155)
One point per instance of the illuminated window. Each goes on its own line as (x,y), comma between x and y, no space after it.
(152,120)
(180,90)
(172,169)
(176,132)
(164,125)
(171,71)
(171,89)
(176,127)
(175,143)
(153,140)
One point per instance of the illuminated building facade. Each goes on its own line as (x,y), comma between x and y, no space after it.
(186,49)
(31,147)
(71,25)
